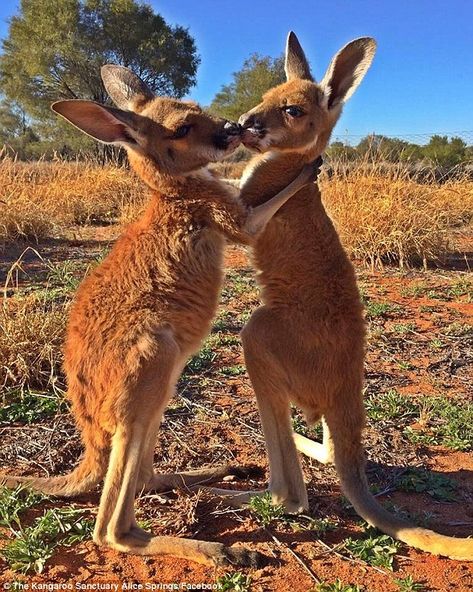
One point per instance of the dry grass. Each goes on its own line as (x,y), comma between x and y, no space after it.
(37,199)
(395,218)
(382,213)
(31,335)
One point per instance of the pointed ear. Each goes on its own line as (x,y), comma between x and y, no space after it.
(125,88)
(347,70)
(296,64)
(106,124)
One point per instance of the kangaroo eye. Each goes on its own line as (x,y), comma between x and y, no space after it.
(293,111)
(181,132)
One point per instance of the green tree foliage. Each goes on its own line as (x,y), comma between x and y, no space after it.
(440,150)
(445,152)
(15,131)
(54,50)
(389,149)
(258,74)
(12,121)
(339,150)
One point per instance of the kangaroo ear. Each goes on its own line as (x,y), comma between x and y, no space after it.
(106,124)
(296,64)
(347,70)
(125,88)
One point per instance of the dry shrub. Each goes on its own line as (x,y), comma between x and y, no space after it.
(31,336)
(38,198)
(393,218)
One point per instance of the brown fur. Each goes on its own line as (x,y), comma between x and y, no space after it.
(306,343)
(145,309)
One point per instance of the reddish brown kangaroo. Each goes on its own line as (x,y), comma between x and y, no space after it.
(145,309)
(306,344)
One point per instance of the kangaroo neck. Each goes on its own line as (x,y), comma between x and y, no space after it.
(267,174)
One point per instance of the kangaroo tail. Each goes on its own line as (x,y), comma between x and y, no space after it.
(83,478)
(355,486)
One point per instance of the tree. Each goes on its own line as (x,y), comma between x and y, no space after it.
(16,134)
(340,151)
(444,152)
(12,121)
(380,147)
(257,75)
(54,50)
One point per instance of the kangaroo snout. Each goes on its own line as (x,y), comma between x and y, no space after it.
(232,129)
(253,130)
(229,137)
(250,121)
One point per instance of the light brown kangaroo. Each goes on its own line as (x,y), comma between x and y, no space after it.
(145,309)
(306,344)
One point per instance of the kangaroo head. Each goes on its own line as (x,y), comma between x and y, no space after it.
(175,137)
(299,115)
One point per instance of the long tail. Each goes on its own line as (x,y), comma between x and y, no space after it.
(88,473)
(355,485)
(351,470)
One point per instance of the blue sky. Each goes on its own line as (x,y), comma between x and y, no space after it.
(421,81)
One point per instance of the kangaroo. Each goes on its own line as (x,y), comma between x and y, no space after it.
(145,309)
(306,344)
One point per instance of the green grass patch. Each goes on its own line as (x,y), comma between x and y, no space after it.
(391,406)
(414,290)
(438,486)
(375,549)
(446,422)
(461,288)
(263,509)
(29,407)
(35,544)
(404,365)
(234,582)
(299,425)
(380,309)
(14,502)
(226,322)
(404,328)
(202,361)
(408,584)
(459,330)
(67,274)
(306,523)
(238,283)
(337,586)
(236,370)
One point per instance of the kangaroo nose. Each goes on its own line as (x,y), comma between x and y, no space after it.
(232,128)
(247,121)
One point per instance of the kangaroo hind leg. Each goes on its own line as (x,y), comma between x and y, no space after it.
(265,343)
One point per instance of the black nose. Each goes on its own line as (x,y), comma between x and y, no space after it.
(232,128)
(250,121)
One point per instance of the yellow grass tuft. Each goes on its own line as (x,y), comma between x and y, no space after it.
(31,335)
(393,218)
(37,199)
